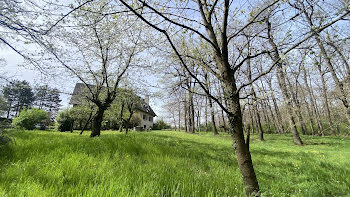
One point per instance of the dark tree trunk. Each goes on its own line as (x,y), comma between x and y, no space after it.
(128,123)
(72,126)
(241,145)
(87,122)
(9,110)
(97,123)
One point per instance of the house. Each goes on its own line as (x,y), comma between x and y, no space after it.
(144,112)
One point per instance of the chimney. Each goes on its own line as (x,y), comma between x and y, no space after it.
(147,99)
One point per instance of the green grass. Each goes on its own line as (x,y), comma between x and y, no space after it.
(168,163)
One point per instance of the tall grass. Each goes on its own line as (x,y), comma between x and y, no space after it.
(168,163)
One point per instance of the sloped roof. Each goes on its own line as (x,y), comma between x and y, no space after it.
(77,98)
(147,109)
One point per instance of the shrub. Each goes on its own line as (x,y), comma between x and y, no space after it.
(4,135)
(160,125)
(64,120)
(30,118)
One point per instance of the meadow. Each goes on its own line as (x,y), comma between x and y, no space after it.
(168,163)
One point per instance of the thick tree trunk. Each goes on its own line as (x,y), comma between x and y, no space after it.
(241,145)
(97,123)
(231,96)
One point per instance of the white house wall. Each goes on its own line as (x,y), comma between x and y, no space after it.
(146,124)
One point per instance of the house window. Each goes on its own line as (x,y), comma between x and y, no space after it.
(144,117)
(150,119)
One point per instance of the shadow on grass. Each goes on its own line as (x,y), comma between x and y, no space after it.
(320,143)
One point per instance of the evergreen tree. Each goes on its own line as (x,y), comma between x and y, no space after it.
(18,95)
(47,98)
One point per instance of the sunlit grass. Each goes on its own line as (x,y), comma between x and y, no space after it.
(168,163)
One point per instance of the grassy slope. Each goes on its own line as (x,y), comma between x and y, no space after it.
(168,163)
